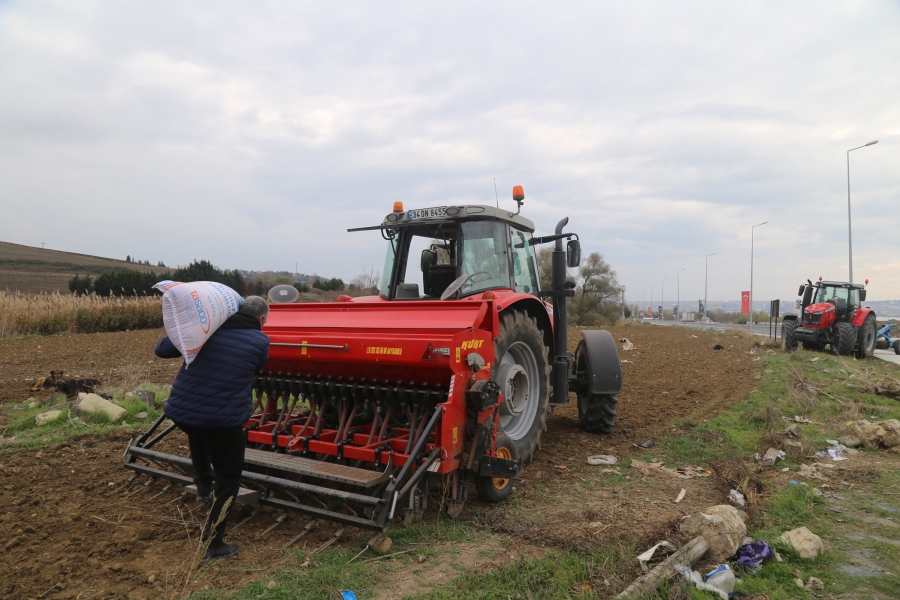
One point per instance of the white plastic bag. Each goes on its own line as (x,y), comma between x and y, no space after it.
(193,311)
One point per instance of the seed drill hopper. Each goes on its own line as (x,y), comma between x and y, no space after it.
(445,376)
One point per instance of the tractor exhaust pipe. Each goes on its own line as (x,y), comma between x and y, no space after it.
(560,321)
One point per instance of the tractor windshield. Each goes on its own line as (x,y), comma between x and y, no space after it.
(841,297)
(484,256)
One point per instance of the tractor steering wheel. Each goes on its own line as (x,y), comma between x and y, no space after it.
(472,278)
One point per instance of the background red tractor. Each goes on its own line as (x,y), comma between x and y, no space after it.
(831,314)
(447,373)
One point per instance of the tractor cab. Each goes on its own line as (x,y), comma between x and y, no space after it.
(467,250)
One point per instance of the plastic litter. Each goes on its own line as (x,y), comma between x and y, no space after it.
(648,444)
(836,451)
(697,579)
(722,577)
(737,498)
(751,556)
(647,555)
(795,482)
(602,460)
(193,311)
(348,595)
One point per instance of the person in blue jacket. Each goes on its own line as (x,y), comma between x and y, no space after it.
(210,402)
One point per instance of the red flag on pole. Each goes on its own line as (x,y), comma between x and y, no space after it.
(745,302)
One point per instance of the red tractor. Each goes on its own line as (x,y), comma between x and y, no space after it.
(448,372)
(832,314)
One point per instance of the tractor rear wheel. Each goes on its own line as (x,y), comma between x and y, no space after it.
(498,489)
(866,346)
(897,347)
(844,336)
(788,339)
(523,372)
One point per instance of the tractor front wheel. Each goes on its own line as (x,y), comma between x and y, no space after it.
(523,372)
(788,339)
(498,489)
(844,336)
(897,347)
(866,338)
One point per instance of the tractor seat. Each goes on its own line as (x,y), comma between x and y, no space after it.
(407,291)
(840,304)
(439,278)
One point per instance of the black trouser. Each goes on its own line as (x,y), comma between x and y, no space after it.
(217,454)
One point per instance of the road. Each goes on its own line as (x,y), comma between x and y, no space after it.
(758,329)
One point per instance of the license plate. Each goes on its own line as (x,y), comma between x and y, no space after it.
(427,213)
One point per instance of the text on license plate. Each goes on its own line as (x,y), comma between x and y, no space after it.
(427,213)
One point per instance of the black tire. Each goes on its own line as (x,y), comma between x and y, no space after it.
(897,347)
(844,338)
(788,339)
(522,370)
(496,489)
(866,343)
(596,412)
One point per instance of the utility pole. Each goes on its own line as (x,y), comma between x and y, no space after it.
(678,295)
(751,272)
(705,282)
(849,226)
(662,301)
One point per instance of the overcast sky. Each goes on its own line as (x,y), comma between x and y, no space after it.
(254,134)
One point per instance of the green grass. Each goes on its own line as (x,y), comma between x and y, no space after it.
(22,432)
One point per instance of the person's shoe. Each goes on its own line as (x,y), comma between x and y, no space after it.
(219,550)
(204,492)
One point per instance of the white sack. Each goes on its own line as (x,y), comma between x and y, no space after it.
(193,311)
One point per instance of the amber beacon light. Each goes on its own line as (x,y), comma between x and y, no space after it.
(518,193)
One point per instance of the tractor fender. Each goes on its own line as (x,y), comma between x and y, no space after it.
(604,368)
(791,317)
(860,317)
(536,309)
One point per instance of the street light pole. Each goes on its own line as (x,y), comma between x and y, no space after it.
(751,272)
(651,300)
(662,301)
(678,295)
(706,282)
(849,226)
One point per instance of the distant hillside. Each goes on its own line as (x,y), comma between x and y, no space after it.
(31,270)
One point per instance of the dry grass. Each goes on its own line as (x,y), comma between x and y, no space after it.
(23,314)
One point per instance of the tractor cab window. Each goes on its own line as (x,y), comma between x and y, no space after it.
(839,296)
(484,256)
(420,262)
(524,273)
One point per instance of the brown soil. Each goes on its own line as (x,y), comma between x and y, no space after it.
(68,520)
(117,359)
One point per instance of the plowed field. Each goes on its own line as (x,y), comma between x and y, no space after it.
(70,528)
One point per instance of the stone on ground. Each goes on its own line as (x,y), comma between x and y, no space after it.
(148,396)
(92,403)
(804,542)
(867,432)
(721,525)
(44,418)
(889,387)
(891,437)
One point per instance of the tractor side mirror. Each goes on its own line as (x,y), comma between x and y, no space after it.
(862,295)
(573,254)
(802,287)
(429,259)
